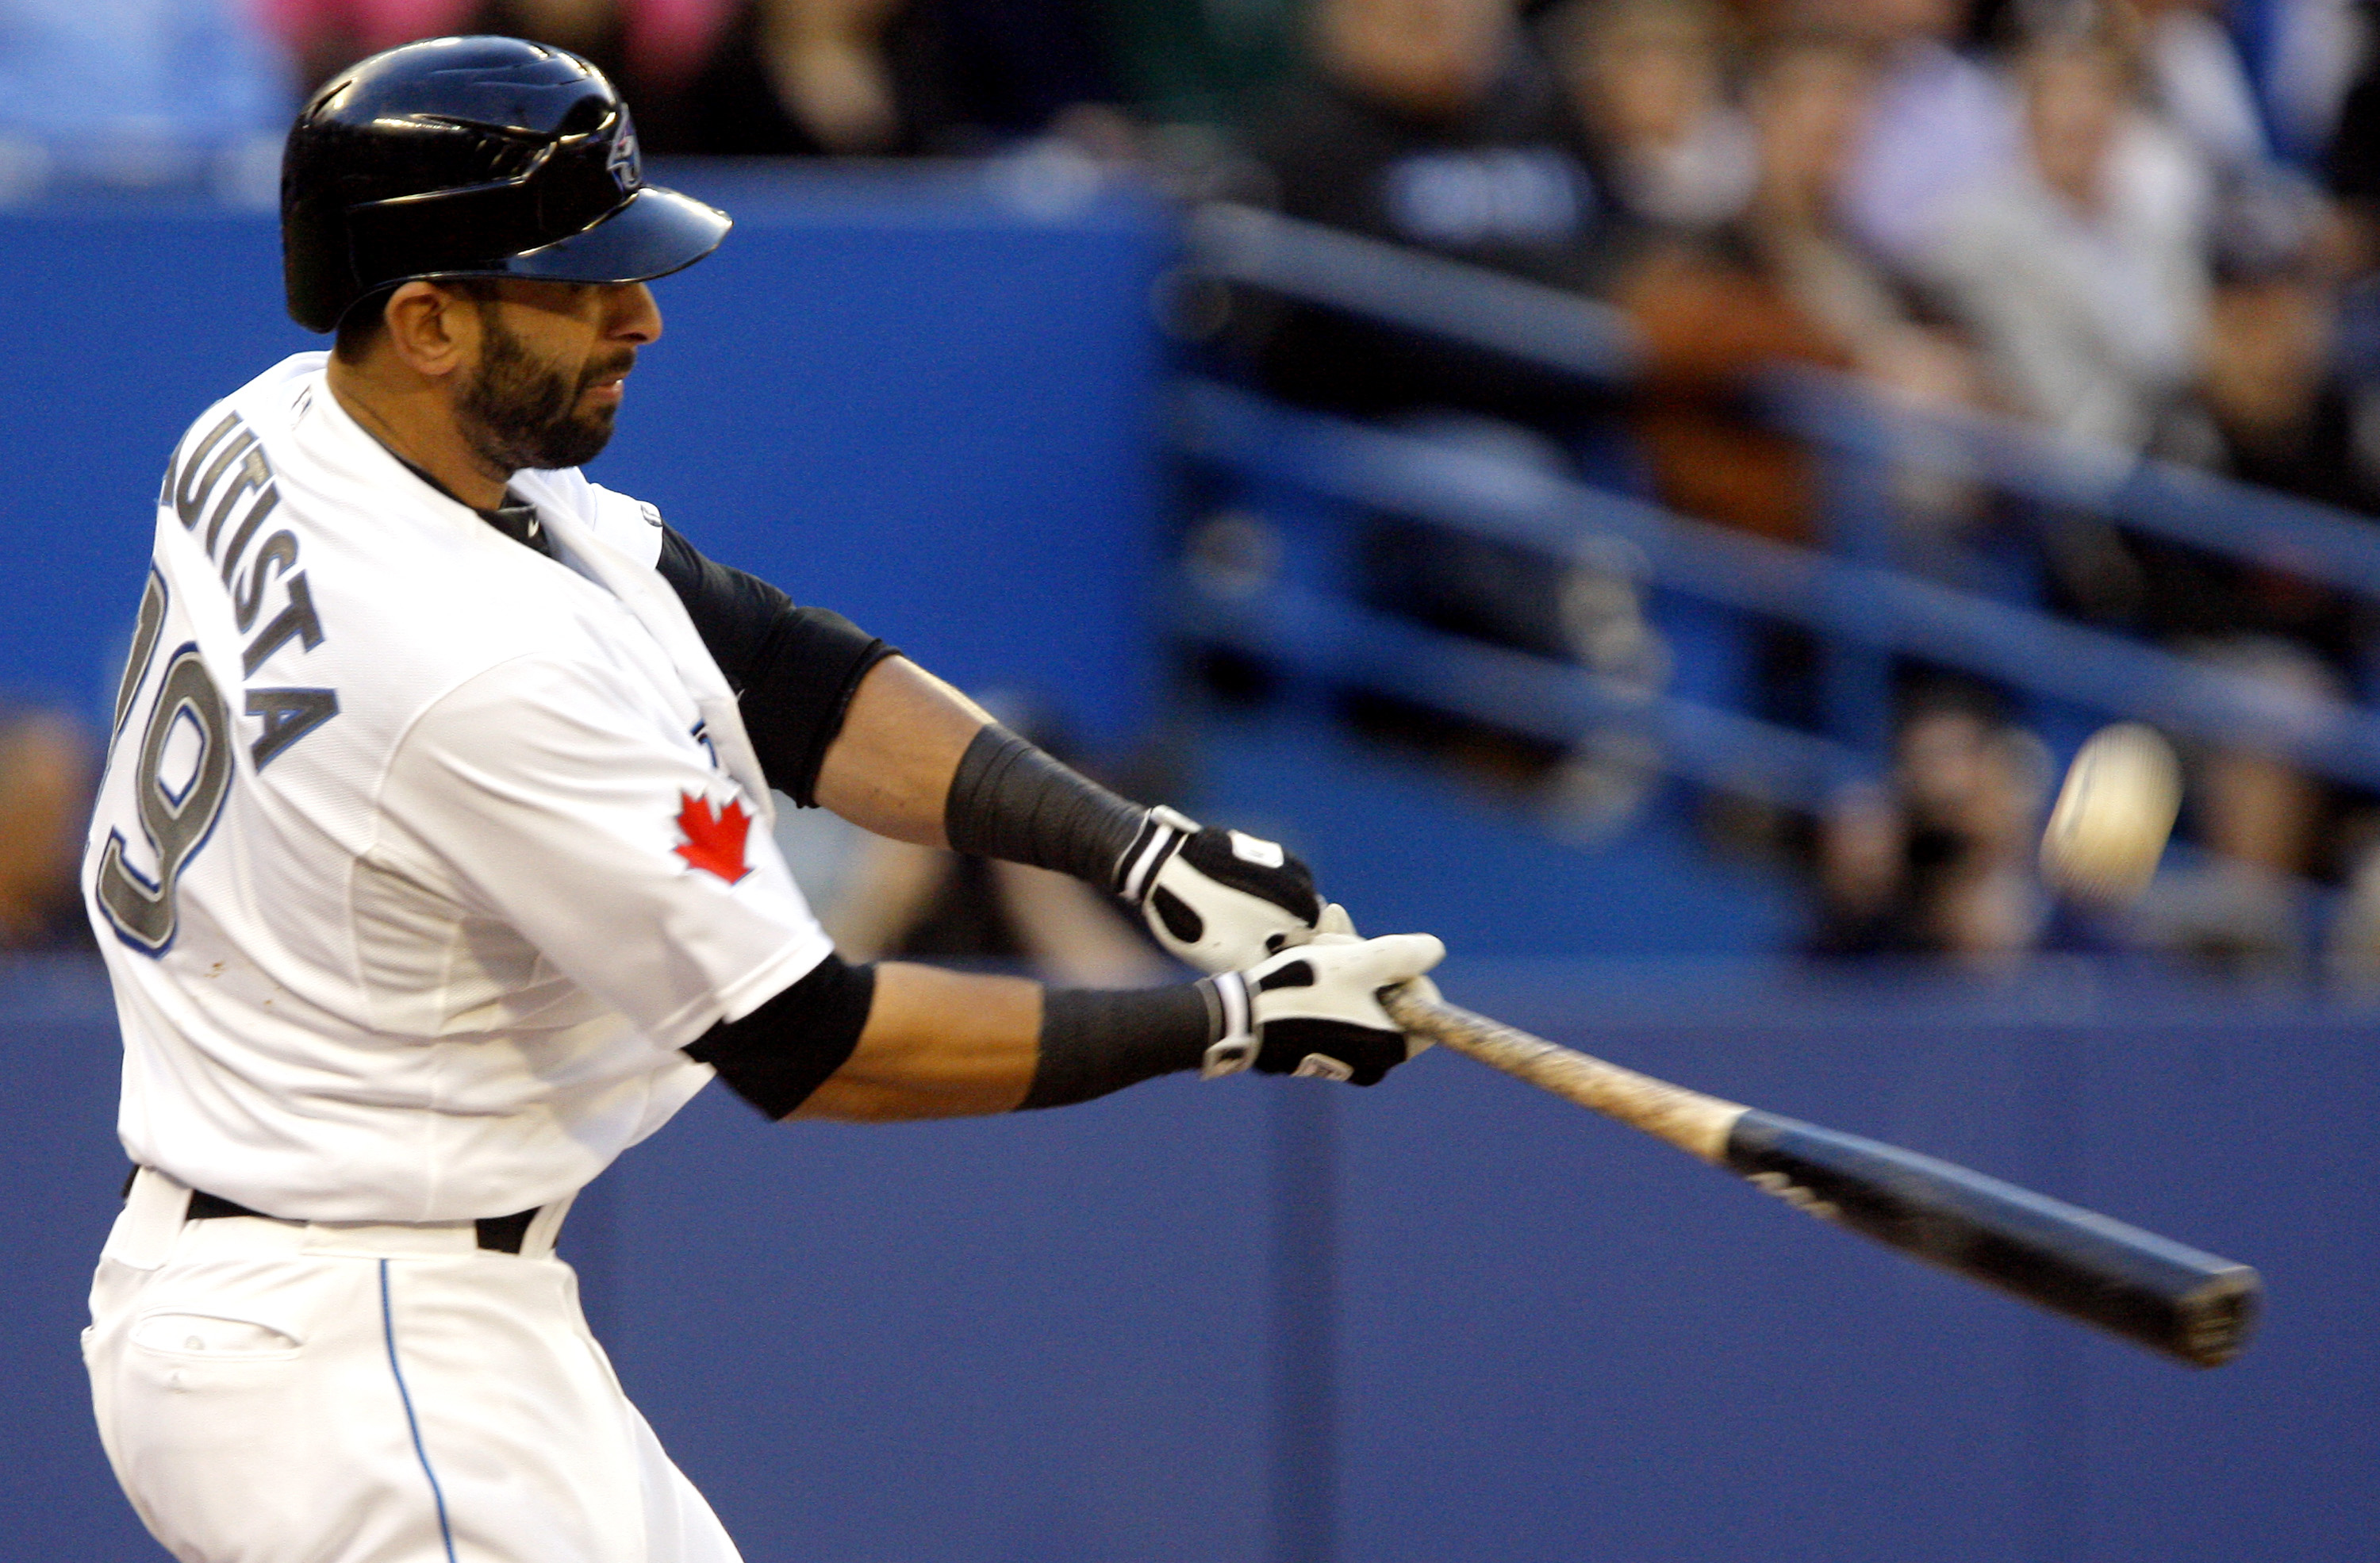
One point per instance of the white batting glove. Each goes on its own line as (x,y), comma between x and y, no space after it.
(1218,900)
(1316,1010)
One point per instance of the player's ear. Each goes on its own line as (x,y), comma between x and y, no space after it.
(433,330)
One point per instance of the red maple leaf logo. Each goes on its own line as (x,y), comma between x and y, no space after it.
(715,843)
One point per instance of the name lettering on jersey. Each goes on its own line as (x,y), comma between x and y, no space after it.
(249,474)
(297,621)
(289,715)
(247,525)
(715,843)
(279,553)
(221,474)
(193,477)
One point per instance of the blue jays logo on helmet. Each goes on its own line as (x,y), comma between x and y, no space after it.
(625,163)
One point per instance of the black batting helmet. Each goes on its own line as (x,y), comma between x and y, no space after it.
(472,157)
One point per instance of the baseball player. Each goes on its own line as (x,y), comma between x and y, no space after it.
(433,867)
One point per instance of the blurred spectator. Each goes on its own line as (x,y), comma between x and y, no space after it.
(1428,123)
(651,48)
(891,77)
(2082,270)
(1434,125)
(1188,62)
(2351,164)
(45,783)
(2282,416)
(140,94)
(2315,50)
(1939,859)
(771,76)
(1808,98)
(2271,410)
(1939,123)
(2198,82)
(1650,78)
(2260,818)
(1786,282)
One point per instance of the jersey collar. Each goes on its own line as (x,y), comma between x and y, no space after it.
(515,518)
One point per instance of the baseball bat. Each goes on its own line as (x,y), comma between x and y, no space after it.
(2172,1299)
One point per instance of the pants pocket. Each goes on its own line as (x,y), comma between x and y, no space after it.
(226,1404)
(210,1337)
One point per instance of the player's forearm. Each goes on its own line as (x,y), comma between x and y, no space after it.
(917,761)
(944,1044)
(936,1044)
(939,1044)
(889,769)
(873,1044)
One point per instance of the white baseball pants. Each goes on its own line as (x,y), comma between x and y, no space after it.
(271,1392)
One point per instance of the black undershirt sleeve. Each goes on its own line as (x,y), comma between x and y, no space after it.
(794,669)
(775,1057)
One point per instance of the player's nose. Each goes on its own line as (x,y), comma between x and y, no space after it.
(633,316)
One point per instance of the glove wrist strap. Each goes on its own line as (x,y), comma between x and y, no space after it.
(1162,832)
(1232,1016)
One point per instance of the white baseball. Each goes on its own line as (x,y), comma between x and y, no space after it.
(2113,814)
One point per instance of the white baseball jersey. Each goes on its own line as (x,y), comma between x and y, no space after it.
(420,854)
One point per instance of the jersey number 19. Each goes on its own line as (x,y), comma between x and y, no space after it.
(184,775)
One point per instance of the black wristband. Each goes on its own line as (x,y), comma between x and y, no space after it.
(775,1057)
(1009,801)
(1094,1042)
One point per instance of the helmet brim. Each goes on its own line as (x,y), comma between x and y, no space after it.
(651,235)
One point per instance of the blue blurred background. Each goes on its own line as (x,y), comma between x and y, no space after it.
(1651,491)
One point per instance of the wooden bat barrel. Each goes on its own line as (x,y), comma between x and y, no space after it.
(2193,1306)
(2189,1305)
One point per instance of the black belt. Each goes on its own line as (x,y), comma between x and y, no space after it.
(499,1235)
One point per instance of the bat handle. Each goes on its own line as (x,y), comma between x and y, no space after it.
(1694,1122)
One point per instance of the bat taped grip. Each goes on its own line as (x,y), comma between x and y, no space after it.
(1694,1122)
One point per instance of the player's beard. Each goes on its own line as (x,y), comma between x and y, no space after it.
(517,412)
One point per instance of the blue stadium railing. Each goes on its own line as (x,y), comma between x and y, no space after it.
(1864,609)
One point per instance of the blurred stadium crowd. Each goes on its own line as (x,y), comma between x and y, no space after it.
(2150,224)
(2148,227)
